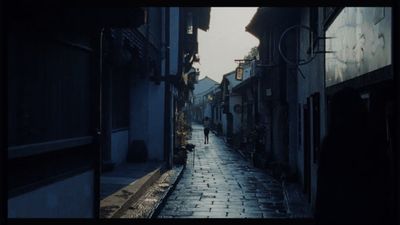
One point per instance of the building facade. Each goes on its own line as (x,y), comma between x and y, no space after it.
(304,69)
(231,105)
(54,120)
(93,82)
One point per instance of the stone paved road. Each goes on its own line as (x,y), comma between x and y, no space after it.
(221,184)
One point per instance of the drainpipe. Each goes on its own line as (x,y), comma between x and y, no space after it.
(4,155)
(167,95)
(99,137)
(146,53)
(100,79)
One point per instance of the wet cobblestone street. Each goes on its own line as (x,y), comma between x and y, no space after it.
(221,184)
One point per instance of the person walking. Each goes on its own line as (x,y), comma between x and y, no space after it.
(206,124)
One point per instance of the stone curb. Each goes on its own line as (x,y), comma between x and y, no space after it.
(166,194)
(117,204)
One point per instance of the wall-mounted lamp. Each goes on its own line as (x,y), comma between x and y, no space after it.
(189,23)
(196,58)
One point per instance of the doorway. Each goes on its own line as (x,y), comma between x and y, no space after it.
(307,149)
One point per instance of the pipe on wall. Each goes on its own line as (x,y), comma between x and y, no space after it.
(167,95)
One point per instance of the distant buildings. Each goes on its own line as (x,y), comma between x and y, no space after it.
(200,101)
(221,103)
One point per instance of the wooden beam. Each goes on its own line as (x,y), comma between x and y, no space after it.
(34,149)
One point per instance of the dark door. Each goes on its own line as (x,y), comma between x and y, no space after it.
(229,128)
(250,116)
(316,125)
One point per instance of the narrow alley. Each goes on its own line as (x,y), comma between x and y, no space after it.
(219,183)
(109,109)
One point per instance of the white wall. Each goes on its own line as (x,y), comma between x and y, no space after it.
(139,110)
(368,31)
(69,198)
(155,142)
(147,99)
(147,117)
(119,146)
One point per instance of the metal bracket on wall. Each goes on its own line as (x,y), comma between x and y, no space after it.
(317,41)
(301,73)
(266,65)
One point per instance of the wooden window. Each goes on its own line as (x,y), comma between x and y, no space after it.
(51,96)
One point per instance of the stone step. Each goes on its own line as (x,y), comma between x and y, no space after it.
(115,204)
(148,205)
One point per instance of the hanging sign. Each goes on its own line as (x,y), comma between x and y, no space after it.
(239,73)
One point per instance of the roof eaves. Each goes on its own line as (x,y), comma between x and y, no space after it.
(254,23)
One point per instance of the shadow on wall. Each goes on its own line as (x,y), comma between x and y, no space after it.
(137,152)
(353,169)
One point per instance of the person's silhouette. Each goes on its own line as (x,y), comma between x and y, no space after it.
(349,187)
(206,124)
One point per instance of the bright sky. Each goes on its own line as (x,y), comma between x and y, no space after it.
(225,41)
